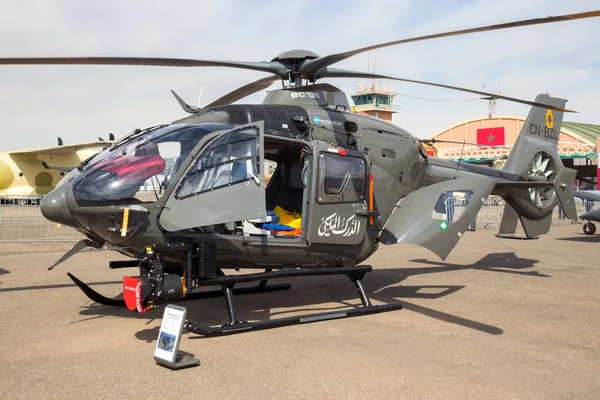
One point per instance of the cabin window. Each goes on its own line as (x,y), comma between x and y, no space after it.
(341,178)
(229,159)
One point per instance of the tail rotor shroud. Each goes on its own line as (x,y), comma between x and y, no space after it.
(541,168)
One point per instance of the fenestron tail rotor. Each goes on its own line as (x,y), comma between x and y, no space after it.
(541,168)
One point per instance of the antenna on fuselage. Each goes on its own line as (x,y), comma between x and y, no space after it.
(200,95)
(461,153)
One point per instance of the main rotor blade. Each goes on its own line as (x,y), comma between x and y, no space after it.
(244,91)
(342,73)
(310,67)
(273,67)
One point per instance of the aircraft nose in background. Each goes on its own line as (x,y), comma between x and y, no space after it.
(6,175)
(54,207)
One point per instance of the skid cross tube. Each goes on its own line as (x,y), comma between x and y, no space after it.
(284,273)
(234,325)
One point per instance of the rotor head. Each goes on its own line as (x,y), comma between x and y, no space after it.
(295,55)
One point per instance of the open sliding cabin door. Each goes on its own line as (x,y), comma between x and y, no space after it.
(225,182)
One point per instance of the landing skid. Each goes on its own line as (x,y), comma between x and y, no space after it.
(239,327)
(234,325)
(97,297)
(119,302)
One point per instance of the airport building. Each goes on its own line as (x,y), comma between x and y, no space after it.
(374,99)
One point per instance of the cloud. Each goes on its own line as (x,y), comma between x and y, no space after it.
(79,103)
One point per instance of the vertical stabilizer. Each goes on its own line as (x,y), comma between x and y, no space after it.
(539,133)
(535,159)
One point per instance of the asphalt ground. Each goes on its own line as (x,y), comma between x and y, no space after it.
(499,319)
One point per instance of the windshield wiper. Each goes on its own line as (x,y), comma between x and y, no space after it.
(134,135)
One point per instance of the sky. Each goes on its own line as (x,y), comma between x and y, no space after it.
(80,103)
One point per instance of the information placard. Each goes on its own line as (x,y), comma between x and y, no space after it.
(170,334)
(167,345)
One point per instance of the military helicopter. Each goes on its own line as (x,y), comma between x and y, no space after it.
(343,184)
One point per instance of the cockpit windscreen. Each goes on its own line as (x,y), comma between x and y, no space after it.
(139,170)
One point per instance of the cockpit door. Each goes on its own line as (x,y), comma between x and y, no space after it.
(340,213)
(224,182)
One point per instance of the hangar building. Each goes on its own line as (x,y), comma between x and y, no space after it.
(490,139)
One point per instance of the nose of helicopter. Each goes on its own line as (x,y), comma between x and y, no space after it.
(54,207)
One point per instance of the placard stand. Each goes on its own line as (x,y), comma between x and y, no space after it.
(166,352)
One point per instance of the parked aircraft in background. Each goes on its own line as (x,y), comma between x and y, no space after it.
(28,173)
(591,215)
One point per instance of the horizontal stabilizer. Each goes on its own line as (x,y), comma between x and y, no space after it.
(523,184)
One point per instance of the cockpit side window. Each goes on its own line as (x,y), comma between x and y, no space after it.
(229,159)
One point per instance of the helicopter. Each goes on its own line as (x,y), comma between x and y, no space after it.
(343,184)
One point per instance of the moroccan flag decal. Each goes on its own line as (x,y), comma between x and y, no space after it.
(490,136)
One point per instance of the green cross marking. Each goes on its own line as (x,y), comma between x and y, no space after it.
(443,226)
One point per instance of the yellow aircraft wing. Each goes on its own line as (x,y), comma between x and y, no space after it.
(69,148)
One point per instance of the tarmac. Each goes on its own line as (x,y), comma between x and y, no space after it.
(499,319)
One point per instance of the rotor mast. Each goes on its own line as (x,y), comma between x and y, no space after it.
(293,61)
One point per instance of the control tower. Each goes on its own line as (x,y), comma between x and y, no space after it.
(374,99)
